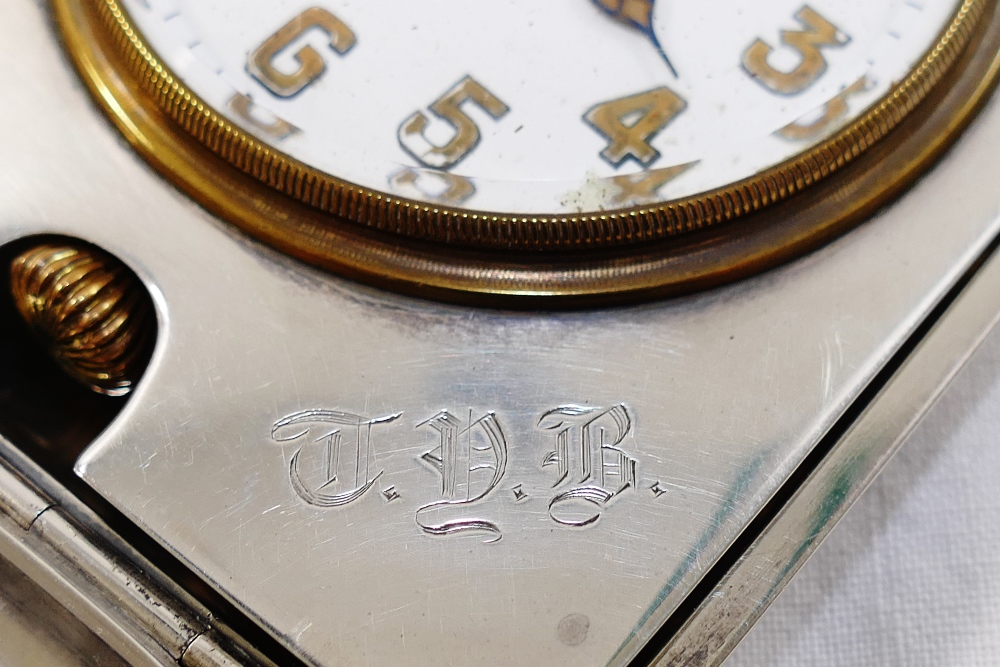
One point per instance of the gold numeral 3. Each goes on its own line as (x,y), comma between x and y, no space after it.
(821,33)
(311,63)
(831,113)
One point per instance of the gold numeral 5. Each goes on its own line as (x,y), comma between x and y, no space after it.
(311,63)
(449,109)
(820,33)
(433,185)
(630,123)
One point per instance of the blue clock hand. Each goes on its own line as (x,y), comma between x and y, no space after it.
(639,15)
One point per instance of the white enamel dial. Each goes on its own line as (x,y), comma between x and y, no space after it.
(528,107)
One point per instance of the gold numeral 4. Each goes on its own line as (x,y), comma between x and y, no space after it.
(311,63)
(820,33)
(449,109)
(630,123)
(644,187)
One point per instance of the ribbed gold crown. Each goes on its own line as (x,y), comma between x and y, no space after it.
(89,310)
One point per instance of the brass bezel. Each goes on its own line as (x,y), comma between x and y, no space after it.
(648,254)
(489,229)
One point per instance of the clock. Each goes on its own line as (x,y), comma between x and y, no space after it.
(579,150)
(337,473)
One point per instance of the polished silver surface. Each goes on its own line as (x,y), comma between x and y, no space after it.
(695,409)
(36,630)
(772,560)
(92,583)
(911,575)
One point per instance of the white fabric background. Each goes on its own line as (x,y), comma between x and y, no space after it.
(911,576)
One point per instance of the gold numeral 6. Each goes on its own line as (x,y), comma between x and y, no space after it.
(311,63)
(820,33)
(449,109)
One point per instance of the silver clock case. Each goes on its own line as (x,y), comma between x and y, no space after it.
(701,407)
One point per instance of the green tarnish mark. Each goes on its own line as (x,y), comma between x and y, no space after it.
(725,510)
(833,500)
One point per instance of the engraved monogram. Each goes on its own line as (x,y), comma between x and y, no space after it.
(587,457)
(359,430)
(482,466)
(335,464)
